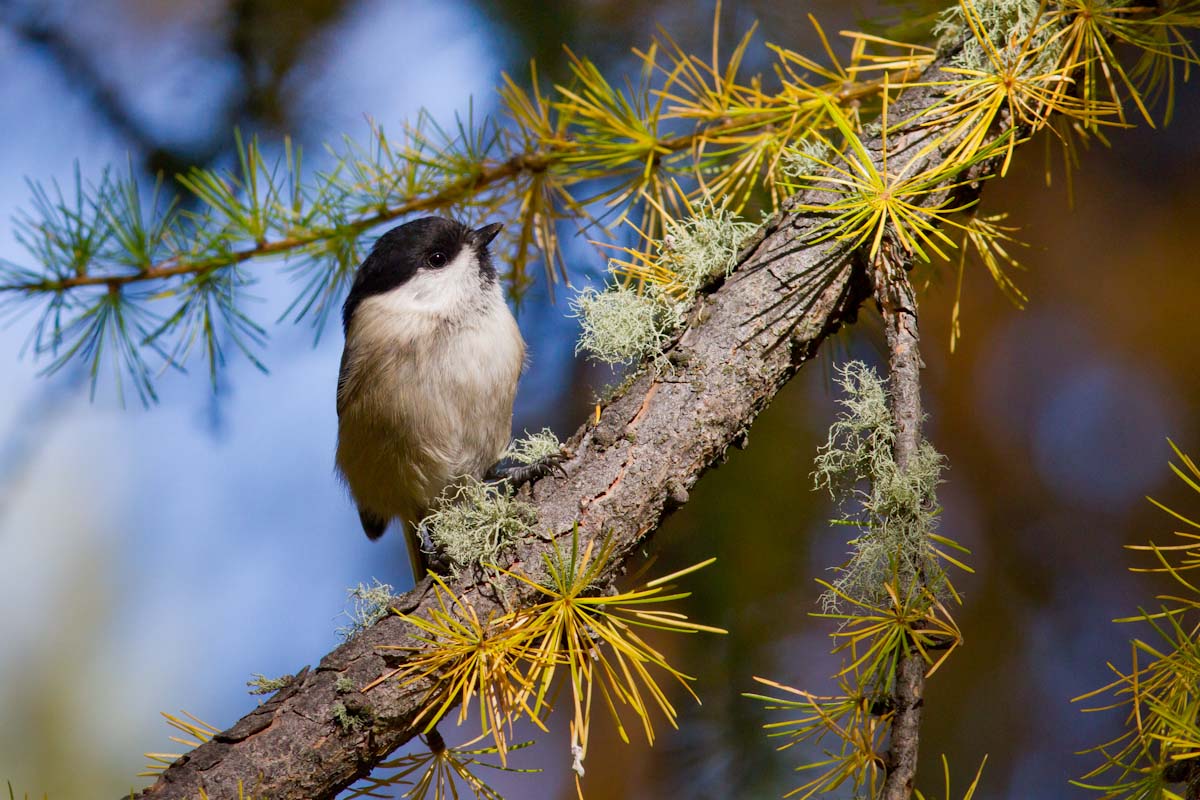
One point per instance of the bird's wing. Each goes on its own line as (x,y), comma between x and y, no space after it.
(345,380)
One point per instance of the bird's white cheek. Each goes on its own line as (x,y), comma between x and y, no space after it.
(437,291)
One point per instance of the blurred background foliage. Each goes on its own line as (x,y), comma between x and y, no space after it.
(155,559)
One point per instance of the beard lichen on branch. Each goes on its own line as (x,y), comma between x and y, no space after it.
(366,605)
(897,509)
(1003,24)
(650,291)
(532,448)
(476,522)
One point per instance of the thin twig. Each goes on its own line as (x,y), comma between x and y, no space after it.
(898,305)
(489,174)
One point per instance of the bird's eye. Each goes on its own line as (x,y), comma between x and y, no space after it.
(436,259)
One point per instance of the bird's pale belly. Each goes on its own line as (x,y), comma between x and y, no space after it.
(403,442)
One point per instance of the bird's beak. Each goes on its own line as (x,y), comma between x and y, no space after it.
(482,237)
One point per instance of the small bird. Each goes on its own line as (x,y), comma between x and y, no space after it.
(428,374)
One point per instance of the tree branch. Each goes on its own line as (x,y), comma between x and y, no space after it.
(625,473)
(489,174)
(898,305)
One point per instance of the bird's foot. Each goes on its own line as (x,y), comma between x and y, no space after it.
(518,475)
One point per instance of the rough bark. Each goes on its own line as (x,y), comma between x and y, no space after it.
(745,340)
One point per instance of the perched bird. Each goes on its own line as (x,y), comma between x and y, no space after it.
(428,374)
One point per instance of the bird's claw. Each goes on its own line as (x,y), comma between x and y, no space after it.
(518,475)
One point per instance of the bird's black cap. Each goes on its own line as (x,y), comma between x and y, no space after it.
(426,243)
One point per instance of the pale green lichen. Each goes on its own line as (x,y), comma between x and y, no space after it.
(623,324)
(534,447)
(367,604)
(343,685)
(705,247)
(349,720)
(895,511)
(261,684)
(1007,22)
(809,157)
(633,320)
(475,522)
